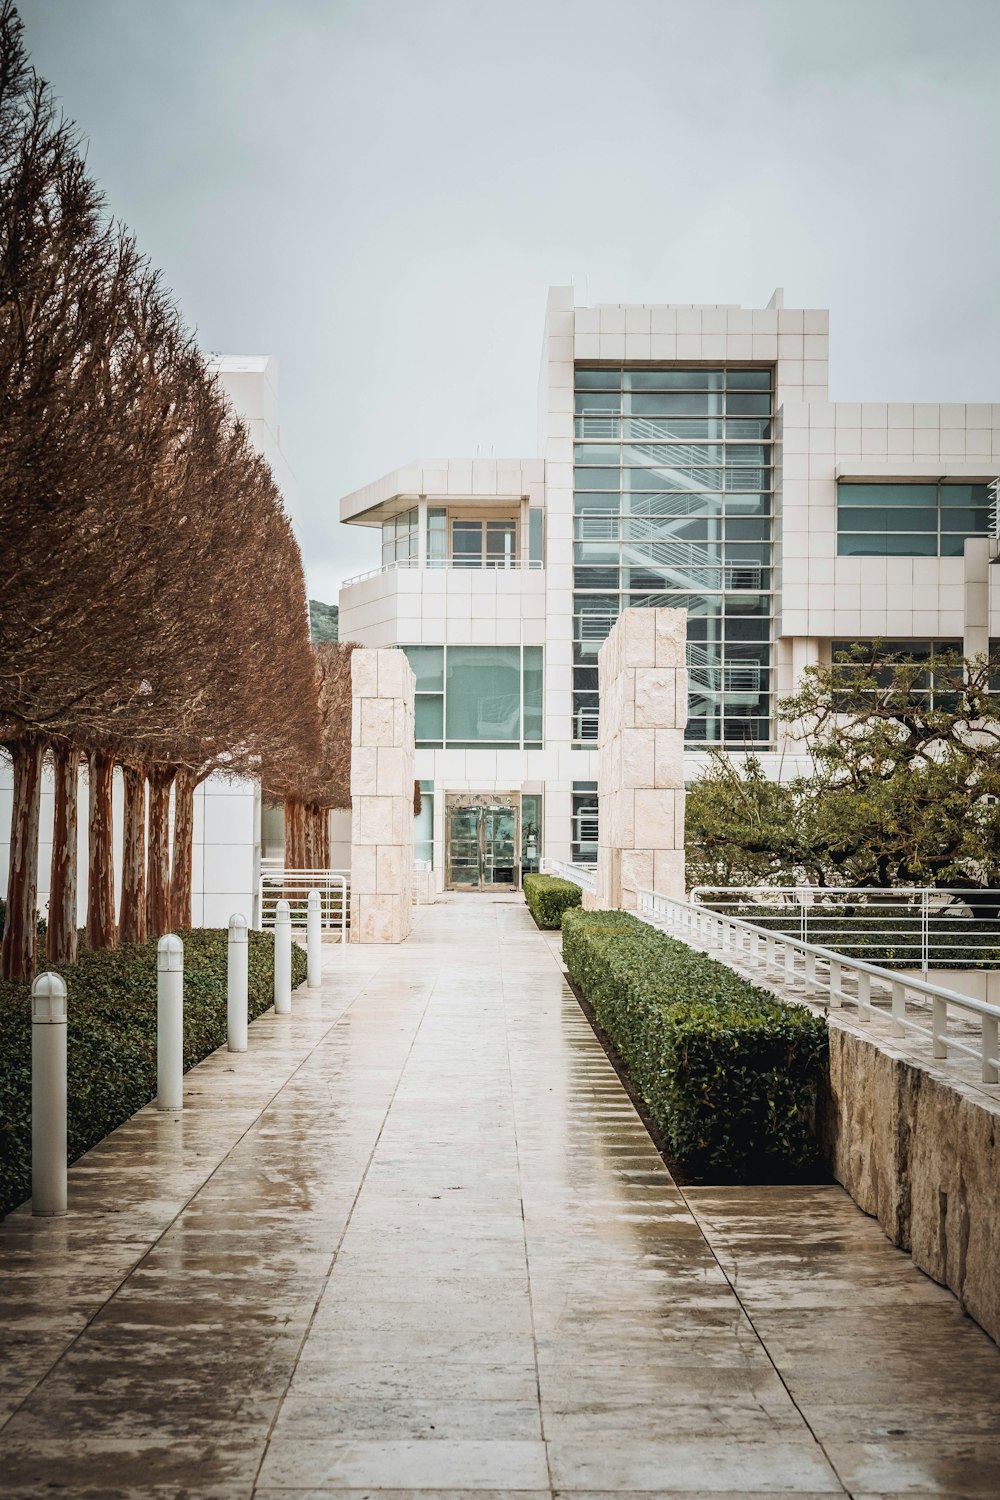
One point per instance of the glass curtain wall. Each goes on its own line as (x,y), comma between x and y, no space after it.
(400,538)
(477,697)
(673,507)
(910,520)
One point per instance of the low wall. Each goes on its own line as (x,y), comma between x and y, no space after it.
(920,1151)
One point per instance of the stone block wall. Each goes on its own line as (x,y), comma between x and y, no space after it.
(381,796)
(640,771)
(920,1151)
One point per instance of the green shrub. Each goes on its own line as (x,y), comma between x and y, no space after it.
(111,1039)
(729,1073)
(548,897)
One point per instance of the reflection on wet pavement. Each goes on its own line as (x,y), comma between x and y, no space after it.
(417,1241)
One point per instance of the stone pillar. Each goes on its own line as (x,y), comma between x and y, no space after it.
(640,760)
(979,553)
(381,796)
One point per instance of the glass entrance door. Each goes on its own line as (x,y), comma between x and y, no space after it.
(483,841)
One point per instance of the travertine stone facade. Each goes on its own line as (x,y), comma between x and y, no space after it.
(381,796)
(921,1152)
(640,765)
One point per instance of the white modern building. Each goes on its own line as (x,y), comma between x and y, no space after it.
(689,456)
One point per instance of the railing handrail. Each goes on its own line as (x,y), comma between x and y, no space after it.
(335,885)
(461,565)
(846,890)
(693,915)
(585,876)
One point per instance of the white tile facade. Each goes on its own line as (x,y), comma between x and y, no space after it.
(818,595)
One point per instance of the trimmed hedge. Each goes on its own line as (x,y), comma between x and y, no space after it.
(111,1039)
(548,897)
(729,1073)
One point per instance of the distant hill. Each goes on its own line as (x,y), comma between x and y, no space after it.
(323,621)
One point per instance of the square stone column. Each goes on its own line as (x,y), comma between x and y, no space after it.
(643,685)
(381,796)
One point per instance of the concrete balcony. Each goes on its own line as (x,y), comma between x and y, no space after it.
(409,604)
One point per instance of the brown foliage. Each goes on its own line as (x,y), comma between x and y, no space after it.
(152,602)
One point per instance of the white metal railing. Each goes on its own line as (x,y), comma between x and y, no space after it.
(483,564)
(582,875)
(994,490)
(832,978)
(280,884)
(932,926)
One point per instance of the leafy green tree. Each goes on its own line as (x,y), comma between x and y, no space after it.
(905,786)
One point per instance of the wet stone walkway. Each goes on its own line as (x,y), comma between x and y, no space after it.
(416,1241)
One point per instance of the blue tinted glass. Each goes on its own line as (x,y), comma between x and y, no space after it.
(693,404)
(483,693)
(673,380)
(746,404)
(590,402)
(748,380)
(887,544)
(599,380)
(592,453)
(596,479)
(969,521)
(965,494)
(887,494)
(429,718)
(533,693)
(889,519)
(428,667)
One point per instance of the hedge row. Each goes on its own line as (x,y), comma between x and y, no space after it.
(548,897)
(111,1039)
(729,1073)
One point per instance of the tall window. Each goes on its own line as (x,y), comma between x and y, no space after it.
(476,697)
(673,507)
(909,519)
(400,538)
(584,832)
(470,541)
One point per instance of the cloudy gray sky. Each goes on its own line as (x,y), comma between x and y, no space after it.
(378,192)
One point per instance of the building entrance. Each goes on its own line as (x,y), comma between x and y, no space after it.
(483,841)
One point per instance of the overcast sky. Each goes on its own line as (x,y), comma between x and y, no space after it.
(379,192)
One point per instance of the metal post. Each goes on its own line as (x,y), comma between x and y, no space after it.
(896,1027)
(282,959)
(238,983)
(939,1025)
(991,1049)
(864,995)
(170,1022)
(48,1095)
(314,940)
(835,983)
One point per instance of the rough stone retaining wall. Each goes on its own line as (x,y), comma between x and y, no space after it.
(920,1152)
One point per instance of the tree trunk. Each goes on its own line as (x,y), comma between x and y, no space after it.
(17,952)
(324,838)
(311,854)
(61,936)
(132,915)
(158,852)
(183,857)
(295,834)
(101,931)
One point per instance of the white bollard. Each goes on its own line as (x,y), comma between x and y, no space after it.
(282,959)
(238,983)
(314,941)
(48,1095)
(169,1022)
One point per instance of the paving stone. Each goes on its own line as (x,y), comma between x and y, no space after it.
(416,1242)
